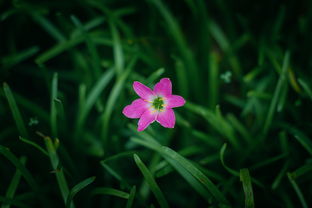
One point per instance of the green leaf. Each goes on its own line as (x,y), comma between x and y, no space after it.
(151,182)
(13,185)
(15,111)
(277,94)
(110,191)
(93,96)
(53,111)
(297,190)
(76,189)
(131,197)
(34,145)
(247,186)
(19,165)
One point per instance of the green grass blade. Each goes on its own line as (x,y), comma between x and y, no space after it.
(110,191)
(76,189)
(53,110)
(302,170)
(58,49)
(93,96)
(196,173)
(297,190)
(230,170)
(278,179)
(151,182)
(301,138)
(306,87)
(13,185)
(14,59)
(277,94)
(117,47)
(195,184)
(175,31)
(247,186)
(112,99)
(131,197)
(15,111)
(15,161)
(34,145)
(60,177)
(213,80)
(9,202)
(49,27)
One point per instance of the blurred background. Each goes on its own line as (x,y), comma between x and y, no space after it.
(242,139)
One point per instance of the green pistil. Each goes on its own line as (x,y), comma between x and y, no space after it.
(158,103)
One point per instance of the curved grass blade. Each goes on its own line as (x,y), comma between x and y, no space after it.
(34,145)
(230,170)
(195,184)
(151,182)
(195,172)
(131,197)
(297,190)
(247,186)
(15,111)
(76,189)
(110,191)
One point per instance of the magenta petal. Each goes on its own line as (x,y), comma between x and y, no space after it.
(166,118)
(143,91)
(163,87)
(135,109)
(175,101)
(146,119)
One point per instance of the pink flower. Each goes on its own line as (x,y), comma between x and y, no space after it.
(154,105)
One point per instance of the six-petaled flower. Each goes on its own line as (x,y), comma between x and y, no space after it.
(154,105)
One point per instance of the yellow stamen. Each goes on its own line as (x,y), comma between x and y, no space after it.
(148,101)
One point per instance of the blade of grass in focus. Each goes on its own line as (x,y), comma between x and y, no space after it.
(151,182)
(60,177)
(111,192)
(76,189)
(195,172)
(15,111)
(247,186)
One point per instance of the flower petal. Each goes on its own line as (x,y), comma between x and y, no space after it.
(166,118)
(146,119)
(136,108)
(175,101)
(143,91)
(163,87)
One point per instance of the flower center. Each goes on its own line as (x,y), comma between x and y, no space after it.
(158,103)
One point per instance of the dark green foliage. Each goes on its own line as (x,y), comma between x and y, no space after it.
(243,138)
